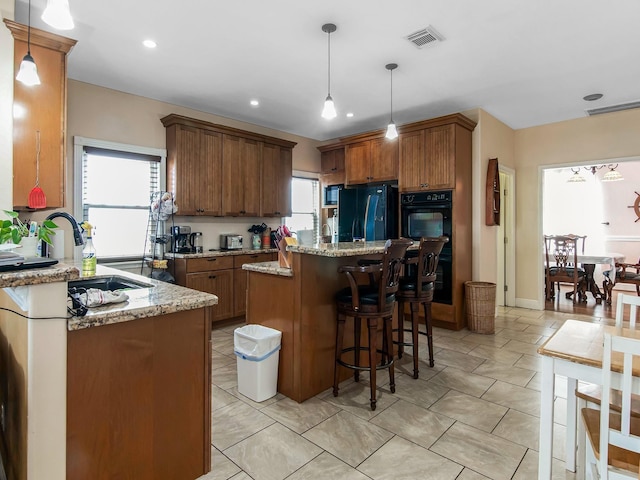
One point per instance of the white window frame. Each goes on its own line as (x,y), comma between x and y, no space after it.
(79,143)
(309,176)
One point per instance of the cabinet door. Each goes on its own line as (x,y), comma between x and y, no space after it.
(284,182)
(210,175)
(219,283)
(440,155)
(384,160)
(252,161)
(43,109)
(239,292)
(411,161)
(183,177)
(232,173)
(357,163)
(332,161)
(270,174)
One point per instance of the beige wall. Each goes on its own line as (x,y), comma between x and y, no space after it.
(491,139)
(584,140)
(6,108)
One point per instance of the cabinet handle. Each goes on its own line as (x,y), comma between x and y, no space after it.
(277,213)
(256,256)
(212,276)
(211,259)
(334,169)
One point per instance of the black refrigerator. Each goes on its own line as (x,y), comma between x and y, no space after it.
(368,213)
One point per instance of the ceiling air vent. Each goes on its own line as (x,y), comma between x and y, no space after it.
(426,36)
(613,108)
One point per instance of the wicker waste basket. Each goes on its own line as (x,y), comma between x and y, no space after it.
(481,306)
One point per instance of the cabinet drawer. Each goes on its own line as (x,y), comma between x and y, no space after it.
(209,263)
(240,260)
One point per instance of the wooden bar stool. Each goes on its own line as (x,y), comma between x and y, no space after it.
(373,301)
(417,287)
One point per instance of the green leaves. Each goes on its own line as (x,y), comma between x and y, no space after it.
(14,230)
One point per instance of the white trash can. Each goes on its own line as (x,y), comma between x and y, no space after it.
(257,351)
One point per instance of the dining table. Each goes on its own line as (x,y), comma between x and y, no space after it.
(574,351)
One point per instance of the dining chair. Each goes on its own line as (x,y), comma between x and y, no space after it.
(561,265)
(628,273)
(590,395)
(612,438)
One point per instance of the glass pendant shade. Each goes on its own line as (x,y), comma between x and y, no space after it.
(329,110)
(576,177)
(57,14)
(392,131)
(612,176)
(28,73)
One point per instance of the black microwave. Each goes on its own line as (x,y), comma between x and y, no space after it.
(330,195)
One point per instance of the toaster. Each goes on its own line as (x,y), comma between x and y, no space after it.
(230,241)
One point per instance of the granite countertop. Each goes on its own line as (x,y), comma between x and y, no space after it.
(344,249)
(159,299)
(220,253)
(271,268)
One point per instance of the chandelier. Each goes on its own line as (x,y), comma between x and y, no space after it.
(611,176)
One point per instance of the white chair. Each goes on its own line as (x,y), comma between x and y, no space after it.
(613,446)
(590,395)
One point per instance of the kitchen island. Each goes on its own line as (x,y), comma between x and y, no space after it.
(122,392)
(300,303)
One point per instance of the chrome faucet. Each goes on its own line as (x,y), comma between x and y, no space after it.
(77,231)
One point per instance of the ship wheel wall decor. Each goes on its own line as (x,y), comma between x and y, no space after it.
(636,206)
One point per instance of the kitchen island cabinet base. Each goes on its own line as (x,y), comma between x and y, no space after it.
(138,398)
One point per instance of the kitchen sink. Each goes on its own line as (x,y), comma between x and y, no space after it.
(113,282)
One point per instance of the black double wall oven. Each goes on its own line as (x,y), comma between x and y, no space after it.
(428,214)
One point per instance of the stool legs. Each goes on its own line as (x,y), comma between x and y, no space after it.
(356,339)
(400,328)
(414,335)
(388,349)
(429,322)
(373,361)
(339,342)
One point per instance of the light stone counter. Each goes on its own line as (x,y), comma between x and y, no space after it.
(60,272)
(343,249)
(271,268)
(220,253)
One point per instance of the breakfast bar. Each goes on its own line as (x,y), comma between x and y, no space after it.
(299,301)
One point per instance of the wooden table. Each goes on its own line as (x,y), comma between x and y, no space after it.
(589,262)
(574,351)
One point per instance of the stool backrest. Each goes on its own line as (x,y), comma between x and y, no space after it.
(392,261)
(428,257)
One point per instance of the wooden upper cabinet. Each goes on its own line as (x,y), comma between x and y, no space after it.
(332,161)
(241,168)
(194,167)
(276,181)
(40,108)
(371,161)
(428,157)
(218,170)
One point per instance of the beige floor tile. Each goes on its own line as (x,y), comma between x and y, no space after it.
(437,332)
(536,382)
(498,355)
(530,362)
(300,417)
(482,452)
(221,467)
(419,391)
(468,474)
(451,358)
(404,365)
(273,453)
(220,398)
(327,466)
(399,459)
(257,405)
(528,469)
(218,359)
(541,330)
(512,396)
(235,422)
(225,376)
(491,340)
(452,343)
(348,437)
(414,423)
(506,373)
(354,397)
(520,336)
(462,381)
(470,410)
(521,347)
(508,322)
(241,476)
(223,344)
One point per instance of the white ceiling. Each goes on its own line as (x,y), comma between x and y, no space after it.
(525,62)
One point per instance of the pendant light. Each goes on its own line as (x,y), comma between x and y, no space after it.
(329,110)
(57,14)
(28,73)
(392,131)
(612,175)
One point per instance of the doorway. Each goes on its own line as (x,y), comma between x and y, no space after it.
(506,251)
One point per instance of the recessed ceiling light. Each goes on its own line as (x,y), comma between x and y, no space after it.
(349,115)
(150,44)
(254,103)
(592,97)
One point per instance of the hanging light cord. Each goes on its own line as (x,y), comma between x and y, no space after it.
(329,62)
(391,96)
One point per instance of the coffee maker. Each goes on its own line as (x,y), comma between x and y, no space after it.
(180,239)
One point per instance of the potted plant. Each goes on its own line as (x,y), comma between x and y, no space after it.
(14,230)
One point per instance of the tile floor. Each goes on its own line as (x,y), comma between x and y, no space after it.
(473,416)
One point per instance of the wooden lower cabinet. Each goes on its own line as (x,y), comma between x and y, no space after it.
(138,399)
(220,275)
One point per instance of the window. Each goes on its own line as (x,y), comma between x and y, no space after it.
(115,193)
(304,206)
